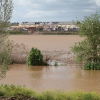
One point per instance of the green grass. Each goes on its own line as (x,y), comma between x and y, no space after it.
(17,32)
(11,90)
(58,33)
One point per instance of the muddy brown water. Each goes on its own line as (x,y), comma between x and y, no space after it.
(47,42)
(40,78)
(63,78)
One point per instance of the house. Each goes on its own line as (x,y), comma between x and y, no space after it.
(30,29)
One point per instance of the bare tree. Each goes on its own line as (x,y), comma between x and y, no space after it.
(6,7)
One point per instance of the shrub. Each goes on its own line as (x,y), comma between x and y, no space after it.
(35,58)
(92,66)
(88,96)
(2,93)
(56,64)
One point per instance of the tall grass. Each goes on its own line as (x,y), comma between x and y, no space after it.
(11,90)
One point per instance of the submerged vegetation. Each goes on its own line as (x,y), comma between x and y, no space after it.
(88,50)
(92,66)
(21,93)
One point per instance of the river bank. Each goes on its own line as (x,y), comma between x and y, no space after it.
(19,93)
(20,53)
(55,48)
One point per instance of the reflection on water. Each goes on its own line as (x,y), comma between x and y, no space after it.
(66,78)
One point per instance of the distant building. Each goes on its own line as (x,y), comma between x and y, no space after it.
(45,26)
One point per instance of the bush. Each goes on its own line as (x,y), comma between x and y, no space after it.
(56,64)
(35,58)
(92,66)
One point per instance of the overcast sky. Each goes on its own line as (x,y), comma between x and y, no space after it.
(53,10)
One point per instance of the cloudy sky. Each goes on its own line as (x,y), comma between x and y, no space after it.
(53,10)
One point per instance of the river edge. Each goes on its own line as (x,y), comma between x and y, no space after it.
(54,47)
(60,57)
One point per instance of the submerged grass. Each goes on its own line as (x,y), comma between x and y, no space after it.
(11,91)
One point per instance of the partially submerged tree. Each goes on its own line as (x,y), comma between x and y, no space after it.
(88,50)
(6,7)
(35,58)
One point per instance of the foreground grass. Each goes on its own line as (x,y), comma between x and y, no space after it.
(9,91)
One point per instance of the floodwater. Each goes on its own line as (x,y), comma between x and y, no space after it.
(47,42)
(64,78)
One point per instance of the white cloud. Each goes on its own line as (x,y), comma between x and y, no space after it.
(22,2)
(17,13)
(39,14)
(98,2)
(51,0)
(88,10)
(41,10)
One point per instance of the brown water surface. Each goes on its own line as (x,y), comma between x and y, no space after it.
(47,42)
(65,78)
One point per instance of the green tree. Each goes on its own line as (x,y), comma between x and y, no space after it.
(6,7)
(88,50)
(35,58)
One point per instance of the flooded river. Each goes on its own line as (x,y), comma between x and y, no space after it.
(65,78)
(47,42)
